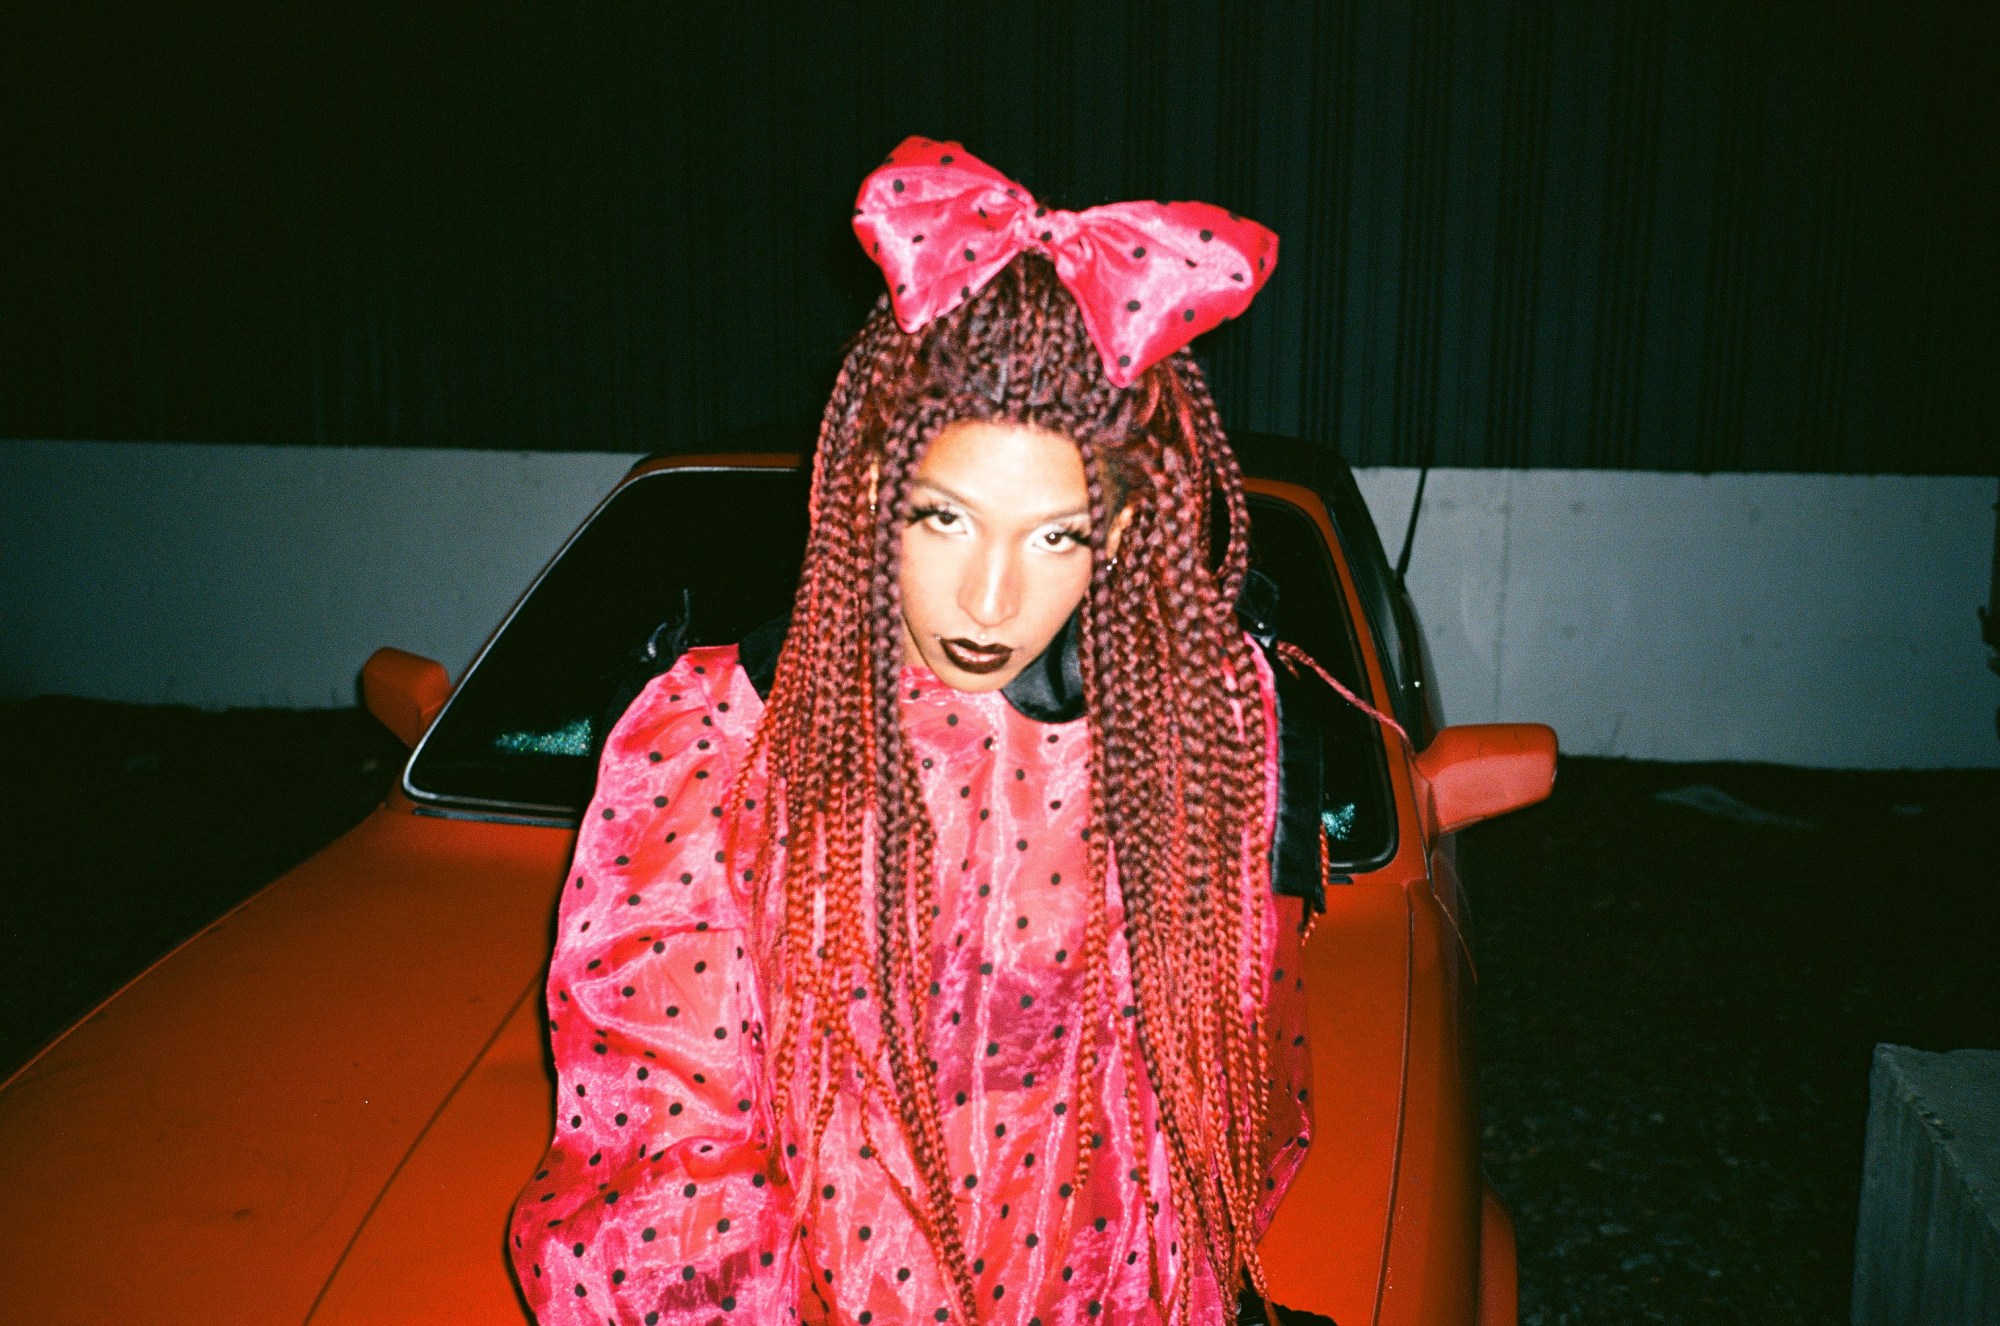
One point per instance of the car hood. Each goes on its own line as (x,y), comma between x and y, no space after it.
(211,1138)
(321,1108)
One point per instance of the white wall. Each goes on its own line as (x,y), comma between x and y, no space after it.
(1809,619)
(1806,619)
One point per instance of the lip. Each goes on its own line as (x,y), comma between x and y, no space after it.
(968,657)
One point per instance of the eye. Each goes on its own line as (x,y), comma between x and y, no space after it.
(1058,539)
(940,517)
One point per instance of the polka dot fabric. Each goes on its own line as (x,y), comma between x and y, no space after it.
(666,1196)
(1149,277)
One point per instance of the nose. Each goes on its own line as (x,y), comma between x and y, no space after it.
(990,592)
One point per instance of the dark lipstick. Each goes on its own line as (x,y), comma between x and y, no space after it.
(969,657)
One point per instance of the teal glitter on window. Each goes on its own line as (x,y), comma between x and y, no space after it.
(570,739)
(1338,823)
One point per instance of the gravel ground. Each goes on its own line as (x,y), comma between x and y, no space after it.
(1678,1001)
(1677,1012)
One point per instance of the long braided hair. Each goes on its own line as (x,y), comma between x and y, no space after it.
(1177,775)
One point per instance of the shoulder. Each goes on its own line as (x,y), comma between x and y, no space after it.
(705,695)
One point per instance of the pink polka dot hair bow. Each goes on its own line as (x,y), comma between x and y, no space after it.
(1149,277)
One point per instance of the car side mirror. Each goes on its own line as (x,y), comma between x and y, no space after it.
(1478,770)
(405,691)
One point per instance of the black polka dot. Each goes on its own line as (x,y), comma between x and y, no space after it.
(970,255)
(1131,306)
(864,1233)
(899,189)
(1187,315)
(1124,361)
(1139,252)
(648,1234)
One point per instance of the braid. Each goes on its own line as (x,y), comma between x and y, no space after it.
(1176,803)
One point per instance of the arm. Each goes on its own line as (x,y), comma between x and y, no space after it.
(659,1198)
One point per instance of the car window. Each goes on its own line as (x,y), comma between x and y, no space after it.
(519,733)
(1356,809)
(723,546)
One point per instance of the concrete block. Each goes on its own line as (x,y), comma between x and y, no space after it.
(1927,1246)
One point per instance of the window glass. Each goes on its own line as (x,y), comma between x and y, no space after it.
(520,733)
(1356,810)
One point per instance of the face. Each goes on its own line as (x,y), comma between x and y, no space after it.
(996,551)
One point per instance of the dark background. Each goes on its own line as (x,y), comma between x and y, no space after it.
(1738,234)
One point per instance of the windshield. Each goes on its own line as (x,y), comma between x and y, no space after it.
(723,546)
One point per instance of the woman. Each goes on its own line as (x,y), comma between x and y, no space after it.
(931,977)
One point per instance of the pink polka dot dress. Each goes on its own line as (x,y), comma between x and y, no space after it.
(666,1196)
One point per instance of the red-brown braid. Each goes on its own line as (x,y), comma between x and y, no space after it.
(1177,797)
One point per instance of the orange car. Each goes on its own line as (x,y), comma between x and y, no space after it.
(320,1108)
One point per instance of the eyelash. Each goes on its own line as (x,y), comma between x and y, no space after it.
(917,514)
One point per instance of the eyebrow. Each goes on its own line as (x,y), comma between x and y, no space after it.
(934,486)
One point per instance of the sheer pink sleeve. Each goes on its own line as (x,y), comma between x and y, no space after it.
(659,1200)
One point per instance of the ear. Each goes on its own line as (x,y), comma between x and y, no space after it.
(1117,532)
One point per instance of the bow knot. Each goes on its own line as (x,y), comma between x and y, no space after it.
(1148,277)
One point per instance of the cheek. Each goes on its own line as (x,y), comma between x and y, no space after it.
(925,579)
(1058,585)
